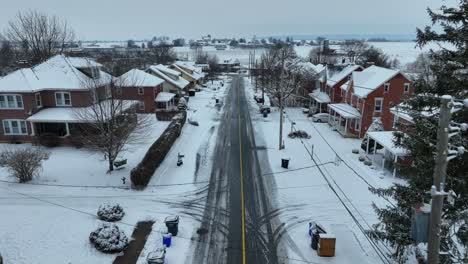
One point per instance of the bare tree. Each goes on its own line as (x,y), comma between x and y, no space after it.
(23,163)
(163,53)
(40,35)
(354,49)
(7,57)
(284,74)
(322,55)
(110,125)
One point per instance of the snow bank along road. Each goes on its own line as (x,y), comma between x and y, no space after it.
(239,230)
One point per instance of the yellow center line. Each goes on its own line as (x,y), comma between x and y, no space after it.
(241,179)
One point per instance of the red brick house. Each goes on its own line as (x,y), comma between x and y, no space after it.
(369,94)
(45,99)
(330,87)
(142,87)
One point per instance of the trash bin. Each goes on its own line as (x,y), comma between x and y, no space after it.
(167,239)
(265,114)
(191,92)
(186,97)
(156,257)
(285,163)
(217,100)
(172,224)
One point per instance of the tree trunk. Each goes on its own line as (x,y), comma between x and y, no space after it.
(111,165)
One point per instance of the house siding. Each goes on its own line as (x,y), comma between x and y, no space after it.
(391,98)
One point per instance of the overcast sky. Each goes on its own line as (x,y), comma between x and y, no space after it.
(140,19)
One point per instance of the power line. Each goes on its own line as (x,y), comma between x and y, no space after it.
(153,230)
(103,186)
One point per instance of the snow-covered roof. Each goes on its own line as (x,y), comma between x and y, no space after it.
(316,69)
(178,82)
(370,79)
(194,75)
(335,78)
(167,70)
(386,139)
(403,111)
(70,114)
(320,97)
(164,97)
(138,78)
(57,73)
(346,111)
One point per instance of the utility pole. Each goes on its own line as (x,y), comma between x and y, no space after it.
(437,190)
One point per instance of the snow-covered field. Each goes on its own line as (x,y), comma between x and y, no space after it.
(405,52)
(305,195)
(49,220)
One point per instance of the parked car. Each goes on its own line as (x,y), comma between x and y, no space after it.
(321,118)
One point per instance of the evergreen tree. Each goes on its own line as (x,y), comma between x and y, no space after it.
(449,76)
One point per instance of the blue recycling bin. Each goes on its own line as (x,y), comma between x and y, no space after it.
(167,239)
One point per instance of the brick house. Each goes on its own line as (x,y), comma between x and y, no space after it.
(330,83)
(369,94)
(142,87)
(46,98)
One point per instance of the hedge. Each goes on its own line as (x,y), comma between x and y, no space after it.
(142,173)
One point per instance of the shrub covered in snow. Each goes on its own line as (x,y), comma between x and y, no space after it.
(108,238)
(299,134)
(23,163)
(110,212)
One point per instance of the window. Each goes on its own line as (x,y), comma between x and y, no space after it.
(95,74)
(406,88)
(141,106)
(38,98)
(108,92)
(386,87)
(14,127)
(62,99)
(94,95)
(378,104)
(118,90)
(11,101)
(141,91)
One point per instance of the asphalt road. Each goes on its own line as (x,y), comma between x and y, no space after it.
(236,215)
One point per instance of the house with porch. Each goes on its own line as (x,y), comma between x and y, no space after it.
(367,95)
(45,99)
(329,88)
(142,87)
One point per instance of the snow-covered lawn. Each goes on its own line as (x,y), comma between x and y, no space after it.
(305,193)
(49,220)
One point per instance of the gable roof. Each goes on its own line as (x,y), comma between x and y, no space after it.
(167,70)
(180,82)
(135,78)
(334,78)
(57,73)
(194,75)
(370,79)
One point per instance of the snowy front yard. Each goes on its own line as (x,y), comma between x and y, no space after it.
(332,189)
(49,220)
